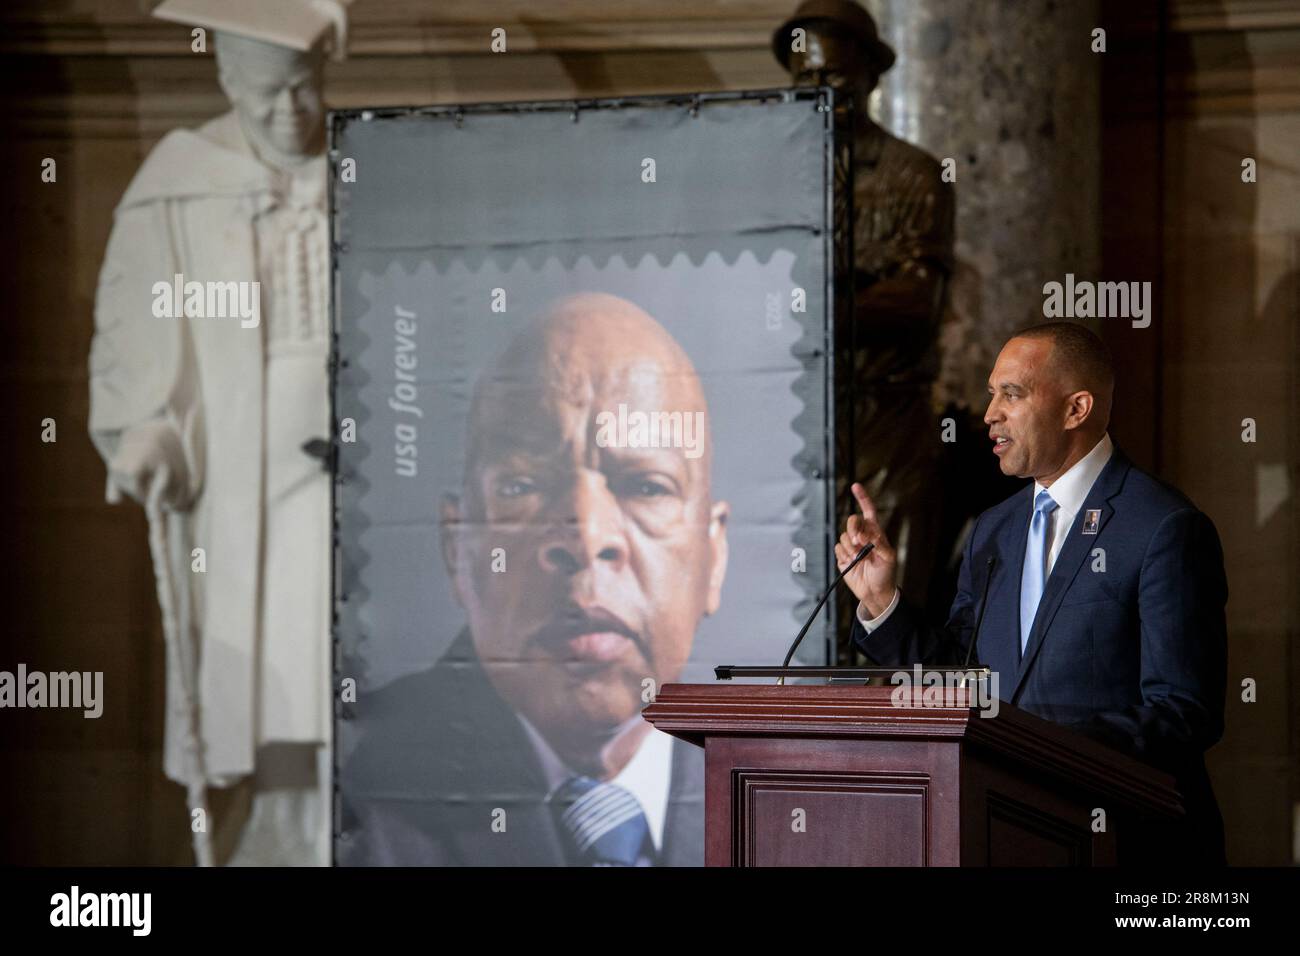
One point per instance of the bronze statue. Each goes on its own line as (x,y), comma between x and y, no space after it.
(892,295)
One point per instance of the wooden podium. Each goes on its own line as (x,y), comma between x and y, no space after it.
(818,775)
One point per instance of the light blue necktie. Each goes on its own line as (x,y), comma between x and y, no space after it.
(604,821)
(1035,570)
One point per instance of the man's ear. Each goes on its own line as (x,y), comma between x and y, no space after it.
(1078,409)
(718,551)
(449,537)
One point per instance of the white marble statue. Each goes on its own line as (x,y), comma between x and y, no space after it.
(208,376)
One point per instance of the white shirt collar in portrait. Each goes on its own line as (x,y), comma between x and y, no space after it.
(1071,490)
(647,776)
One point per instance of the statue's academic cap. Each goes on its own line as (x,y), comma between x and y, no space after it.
(297,24)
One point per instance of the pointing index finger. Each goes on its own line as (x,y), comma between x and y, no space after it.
(864,502)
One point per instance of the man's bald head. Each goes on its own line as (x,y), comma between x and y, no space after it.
(612,549)
(584,350)
(1080,361)
(1050,395)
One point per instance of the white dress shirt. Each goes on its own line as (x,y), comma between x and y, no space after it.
(647,776)
(1069,492)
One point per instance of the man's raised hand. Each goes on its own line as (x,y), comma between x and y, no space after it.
(872,581)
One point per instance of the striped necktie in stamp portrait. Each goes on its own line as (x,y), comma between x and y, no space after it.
(604,823)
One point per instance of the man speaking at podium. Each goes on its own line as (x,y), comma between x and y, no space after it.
(1103,588)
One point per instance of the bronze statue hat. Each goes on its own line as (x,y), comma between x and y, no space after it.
(845,15)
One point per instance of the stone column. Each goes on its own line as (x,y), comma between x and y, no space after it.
(1010,92)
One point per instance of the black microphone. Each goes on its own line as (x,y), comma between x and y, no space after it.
(866,549)
(984,602)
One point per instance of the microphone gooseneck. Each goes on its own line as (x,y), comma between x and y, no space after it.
(984,602)
(866,549)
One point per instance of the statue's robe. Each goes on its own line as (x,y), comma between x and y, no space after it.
(241,401)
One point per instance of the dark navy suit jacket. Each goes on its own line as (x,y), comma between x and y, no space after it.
(1133,655)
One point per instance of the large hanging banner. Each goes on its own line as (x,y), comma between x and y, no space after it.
(581,388)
